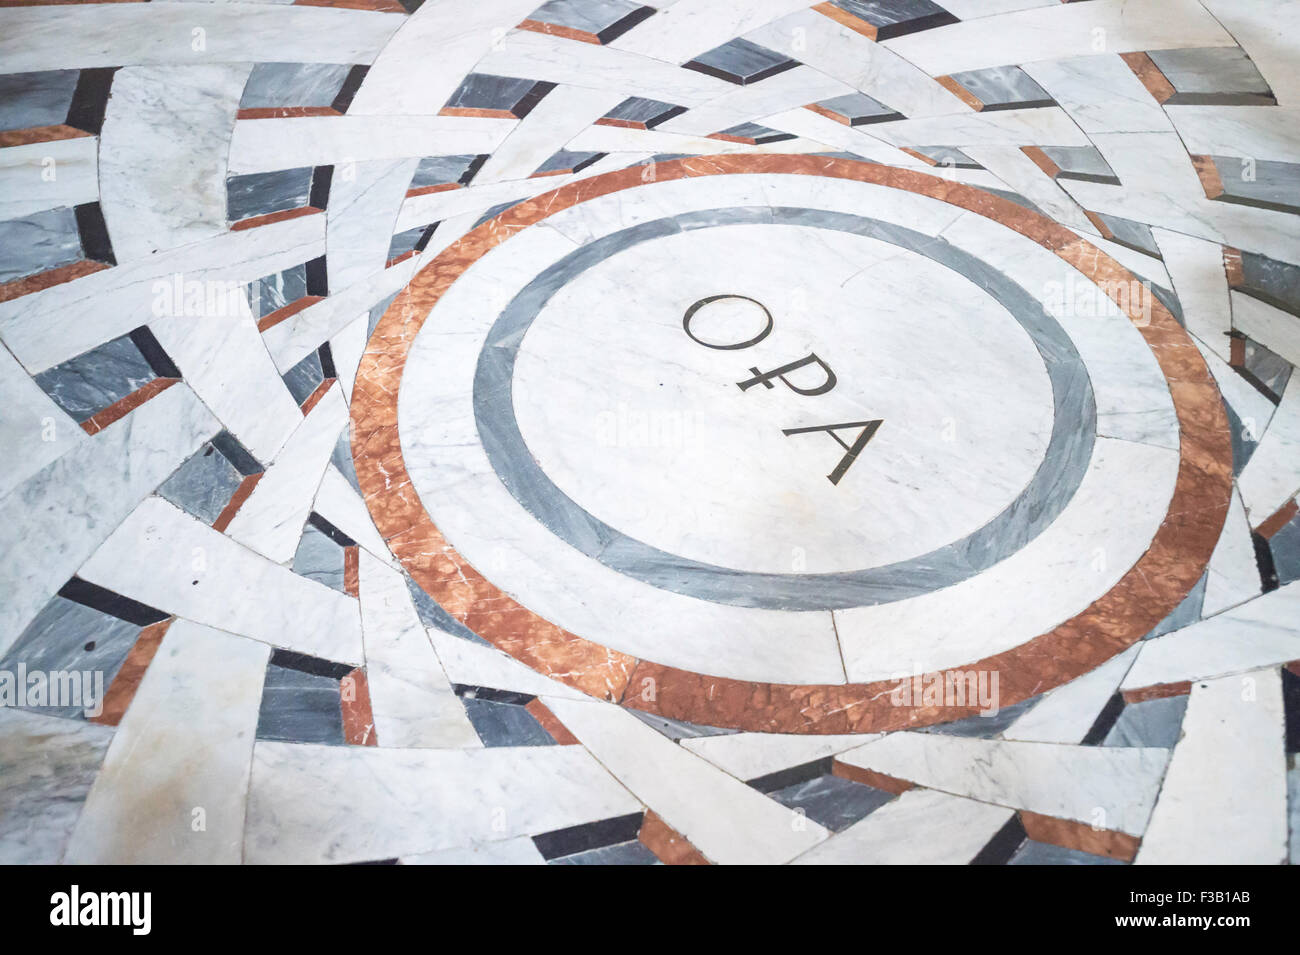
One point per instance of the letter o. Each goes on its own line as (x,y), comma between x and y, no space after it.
(690,313)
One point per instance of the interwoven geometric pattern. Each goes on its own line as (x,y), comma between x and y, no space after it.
(376,484)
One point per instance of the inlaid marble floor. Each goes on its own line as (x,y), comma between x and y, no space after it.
(690,432)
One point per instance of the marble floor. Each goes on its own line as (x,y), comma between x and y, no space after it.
(683,432)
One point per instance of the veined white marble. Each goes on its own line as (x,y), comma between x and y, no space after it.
(519,851)
(436,206)
(363,204)
(48,327)
(1278,330)
(1272,475)
(347,347)
(1100,93)
(74,503)
(872,68)
(472,664)
(1196,269)
(47,766)
(748,756)
(920,827)
(264,145)
(722,817)
(688,28)
(804,122)
(1109,788)
(1055,32)
(163,182)
(314,804)
(339,503)
(410,695)
(1258,132)
(164,558)
(40,176)
(175,778)
(1233,574)
(34,431)
(1065,714)
(562,114)
(1043,125)
(1261,28)
(1022,175)
(105,35)
(1260,633)
(776,94)
(271,520)
(1224,799)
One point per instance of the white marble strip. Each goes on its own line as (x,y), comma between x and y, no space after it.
(1065,714)
(1278,330)
(1022,175)
(40,176)
(264,145)
(519,851)
(691,27)
(1262,632)
(1041,126)
(34,431)
(1107,788)
(722,817)
(51,326)
(1100,93)
(175,779)
(806,123)
(1258,132)
(1272,475)
(164,558)
(1055,32)
(347,347)
(410,695)
(1224,799)
(472,664)
(47,765)
(163,182)
(748,756)
(825,45)
(129,34)
(271,521)
(436,206)
(363,203)
(920,827)
(1199,279)
(57,518)
(312,804)
(1260,27)
(563,113)
(776,94)
(1232,577)
(339,503)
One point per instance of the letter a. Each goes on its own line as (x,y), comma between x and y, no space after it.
(851,451)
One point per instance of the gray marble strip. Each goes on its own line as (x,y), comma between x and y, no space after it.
(1044,497)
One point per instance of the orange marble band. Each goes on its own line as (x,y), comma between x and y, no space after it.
(1148,591)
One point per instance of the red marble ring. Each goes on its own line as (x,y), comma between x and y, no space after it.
(1148,591)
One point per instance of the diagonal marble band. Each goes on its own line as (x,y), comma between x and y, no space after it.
(1148,591)
(1074,430)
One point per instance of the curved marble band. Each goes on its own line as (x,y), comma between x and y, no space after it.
(1057,477)
(1148,591)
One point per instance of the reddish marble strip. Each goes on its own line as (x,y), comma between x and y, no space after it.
(476,113)
(399,259)
(1236,349)
(550,172)
(122,691)
(550,722)
(959,91)
(1232,267)
(49,278)
(846,19)
(314,398)
(919,155)
(1156,83)
(379,6)
(1294,667)
(1042,160)
(358,718)
(554,29)
(286,112)
(430,190)
(622,123)
(1208,173)
(1147,592)
(252,222)
(668,845)
(236,501)
(828,113)
(280,314)
(869,777)
(1158,691)
(1100,224)
(1078,835)
(39,134)
(123,407)
(1279,519)
(352,571)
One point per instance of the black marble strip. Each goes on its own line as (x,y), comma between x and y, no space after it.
(327,361)
(1002,846)
(107,602)
(1021,104)
(422,242)
(95,243)
(237,454)
(330,531)
(489,695)
(590,835)
(1221,99)
(1291,709)
(90,99)
(472,169)
(1105,721)
(621,26)
(594,157)
(348,91)
(532,98)
(891,30)
(319,196)
(1264,561)
(317,275)
(411,5)
(663,117)
(154,353)
(792,776)
(305,663)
